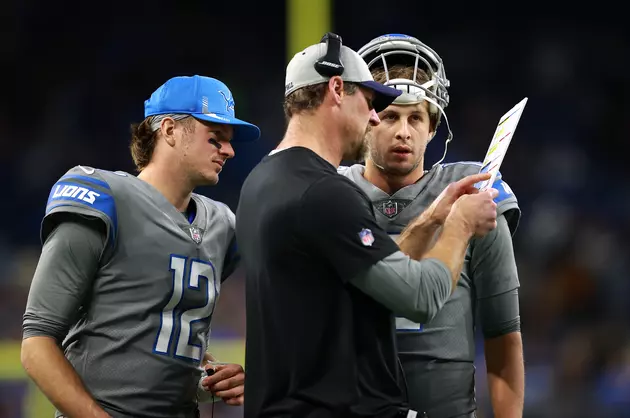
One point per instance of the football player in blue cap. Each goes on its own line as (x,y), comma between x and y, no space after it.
(118,315)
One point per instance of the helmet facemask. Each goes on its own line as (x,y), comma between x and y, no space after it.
(385,52)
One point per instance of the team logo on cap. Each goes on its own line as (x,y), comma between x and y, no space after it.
(229,101)
(205,111)
(366,236)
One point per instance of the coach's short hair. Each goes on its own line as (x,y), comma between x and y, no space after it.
(406,71)
(309,98)
(144,137)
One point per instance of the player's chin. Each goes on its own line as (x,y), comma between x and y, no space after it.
(400,168)
(210,178)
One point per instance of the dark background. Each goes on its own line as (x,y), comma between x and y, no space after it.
(76,75)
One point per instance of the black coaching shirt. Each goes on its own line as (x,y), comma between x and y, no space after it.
(316,345)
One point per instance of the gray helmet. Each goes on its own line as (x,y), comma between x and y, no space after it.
(388,50)
(392,49)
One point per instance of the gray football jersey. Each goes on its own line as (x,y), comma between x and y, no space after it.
(143,330)
(446,345)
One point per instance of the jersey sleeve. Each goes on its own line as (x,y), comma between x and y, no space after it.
(492,263)
(507,204)
(82,191)
(64,274)
(232,260)
(337,223)
(499,314)
(232,256)
(415,290)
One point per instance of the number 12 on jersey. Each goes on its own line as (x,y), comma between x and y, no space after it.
(186,275)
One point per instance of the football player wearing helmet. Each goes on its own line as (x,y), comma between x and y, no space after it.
(438,357)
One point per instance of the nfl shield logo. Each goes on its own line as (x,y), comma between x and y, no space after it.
(390,208)
(366,237)
(195,234)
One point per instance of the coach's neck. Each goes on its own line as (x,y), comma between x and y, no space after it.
(318,131)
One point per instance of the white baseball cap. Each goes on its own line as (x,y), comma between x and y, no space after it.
(301,72)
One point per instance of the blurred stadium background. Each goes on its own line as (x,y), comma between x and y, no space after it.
(77,75)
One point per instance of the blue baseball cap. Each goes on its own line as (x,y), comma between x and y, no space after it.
(204,98)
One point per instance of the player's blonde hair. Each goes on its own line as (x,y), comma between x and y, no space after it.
(144,138)
(405,71)
(309,98)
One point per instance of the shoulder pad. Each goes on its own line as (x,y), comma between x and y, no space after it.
(507,204)
(505,191)
(451,172)
(506,201)
(83,190)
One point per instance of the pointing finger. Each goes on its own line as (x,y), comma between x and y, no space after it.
(472,179)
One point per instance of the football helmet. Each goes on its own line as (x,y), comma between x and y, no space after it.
(393,49)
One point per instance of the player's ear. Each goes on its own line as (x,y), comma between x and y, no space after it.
(335,88)
(167,128)
(431,135)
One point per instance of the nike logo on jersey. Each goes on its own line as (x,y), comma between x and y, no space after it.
(87,170)
(75,192)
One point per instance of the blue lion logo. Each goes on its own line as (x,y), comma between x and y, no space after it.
(229,101)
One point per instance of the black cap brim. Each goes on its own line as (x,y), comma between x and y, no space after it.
(383,95)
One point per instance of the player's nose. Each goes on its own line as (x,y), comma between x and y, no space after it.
(403,132)
(227,150)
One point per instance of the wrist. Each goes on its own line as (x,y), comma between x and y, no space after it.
(459,226)
(428,221)
(100,413)
(420,230)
